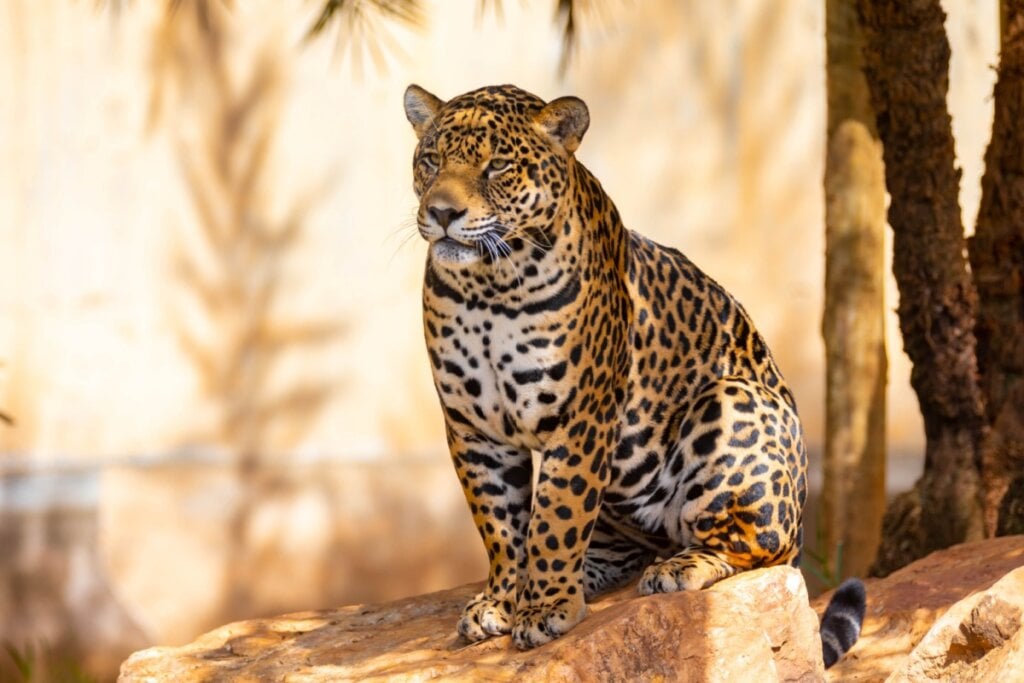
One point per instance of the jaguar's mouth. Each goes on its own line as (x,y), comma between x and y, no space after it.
(449,250)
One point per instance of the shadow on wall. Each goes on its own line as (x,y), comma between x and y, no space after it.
(319,535)
(83,585)
(229,269)
(62,618)
(229,309)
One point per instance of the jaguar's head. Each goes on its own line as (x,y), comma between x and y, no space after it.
(491,166)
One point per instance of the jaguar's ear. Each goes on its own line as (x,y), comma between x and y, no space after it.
(565,120)
(420,108)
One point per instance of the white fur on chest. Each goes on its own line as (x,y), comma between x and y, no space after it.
(498,356)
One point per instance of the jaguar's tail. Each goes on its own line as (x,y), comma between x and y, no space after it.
(840,627)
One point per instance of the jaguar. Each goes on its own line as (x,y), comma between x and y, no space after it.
(611,411)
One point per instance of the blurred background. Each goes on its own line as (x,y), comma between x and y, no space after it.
(210,337)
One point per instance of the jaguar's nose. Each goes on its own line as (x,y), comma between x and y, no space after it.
(444,216)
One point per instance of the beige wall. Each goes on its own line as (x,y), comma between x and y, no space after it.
(708,138)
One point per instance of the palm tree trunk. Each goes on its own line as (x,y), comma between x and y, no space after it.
(997,260)
(907,69)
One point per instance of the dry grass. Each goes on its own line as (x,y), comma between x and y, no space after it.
(31,663)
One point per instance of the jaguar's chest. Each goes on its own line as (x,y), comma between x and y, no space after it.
(507,378)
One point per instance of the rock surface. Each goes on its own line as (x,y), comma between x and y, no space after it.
(954,615)
(755,626)
(910,603)
(979,639)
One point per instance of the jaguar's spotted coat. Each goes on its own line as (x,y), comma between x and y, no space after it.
(669,443)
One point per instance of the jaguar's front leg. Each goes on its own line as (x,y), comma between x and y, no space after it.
(496,481)
(566,502)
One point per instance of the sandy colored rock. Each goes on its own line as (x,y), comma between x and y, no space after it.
(979,639)
(904,606)
(756,626)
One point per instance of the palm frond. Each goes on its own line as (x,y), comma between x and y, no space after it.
(364,26)
(362,23)
(572,16)
(116,6)
(567,16)
(353,13)
(495,6)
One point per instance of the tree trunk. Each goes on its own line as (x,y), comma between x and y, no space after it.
(907,69)
(997,259)
(853,497)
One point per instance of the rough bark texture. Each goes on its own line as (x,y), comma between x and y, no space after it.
(907,69)
(997,259)
(853,498)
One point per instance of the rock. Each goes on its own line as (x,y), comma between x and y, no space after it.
(979,639)
(755,626)
(954,615)
(904,606)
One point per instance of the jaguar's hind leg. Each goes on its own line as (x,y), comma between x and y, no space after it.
(694,568)
(741,495)
(611,561)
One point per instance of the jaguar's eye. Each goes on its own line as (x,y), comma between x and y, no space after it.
(498,165)
(431,159)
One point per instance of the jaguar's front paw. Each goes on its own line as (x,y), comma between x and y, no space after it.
(539,624)
(486,616)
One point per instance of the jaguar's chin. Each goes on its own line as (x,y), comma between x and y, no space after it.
(452,252)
